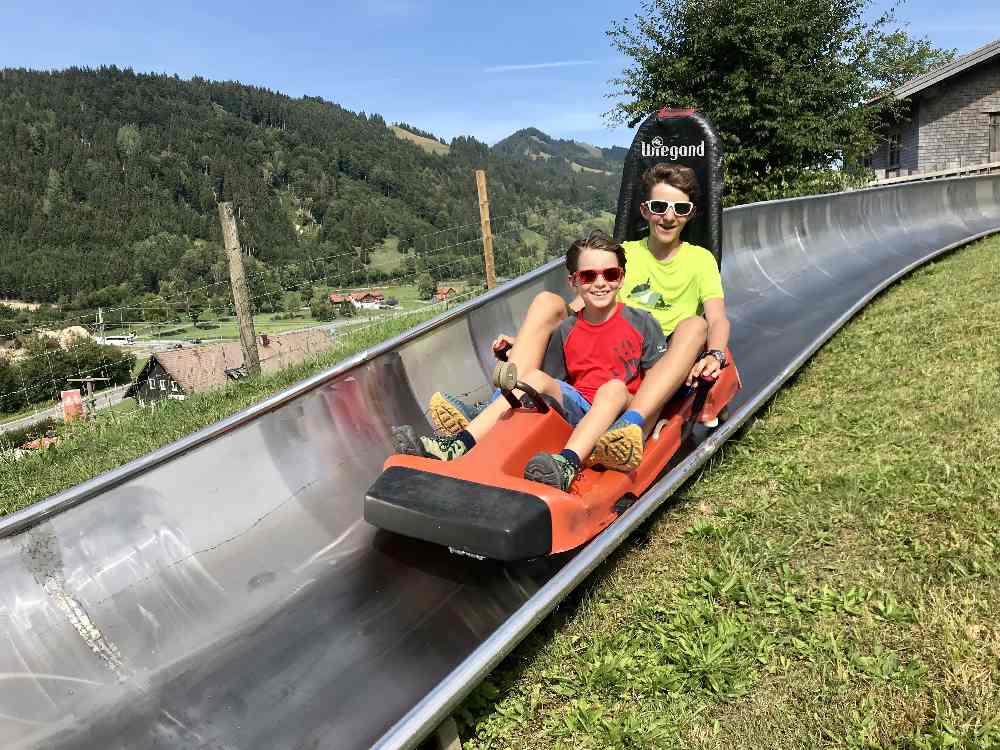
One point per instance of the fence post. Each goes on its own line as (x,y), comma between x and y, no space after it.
(484,222)
(241,295)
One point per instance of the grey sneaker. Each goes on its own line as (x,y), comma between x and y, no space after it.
(443,448)
(450,415)
(551,469)
(406,441)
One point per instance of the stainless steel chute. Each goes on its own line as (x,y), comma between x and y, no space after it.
(223,592)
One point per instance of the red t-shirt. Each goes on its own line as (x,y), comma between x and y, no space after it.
(588,355)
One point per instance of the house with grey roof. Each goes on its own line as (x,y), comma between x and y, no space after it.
(952,118)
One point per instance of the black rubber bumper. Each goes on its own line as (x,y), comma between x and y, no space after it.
(492,522)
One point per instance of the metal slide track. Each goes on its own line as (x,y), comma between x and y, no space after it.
(223,592)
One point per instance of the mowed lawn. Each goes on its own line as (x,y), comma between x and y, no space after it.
(230,329)
(830,580)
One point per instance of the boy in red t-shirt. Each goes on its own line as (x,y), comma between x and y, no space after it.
(598,356)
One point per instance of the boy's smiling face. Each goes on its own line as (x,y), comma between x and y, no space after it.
(599,295)
(665,229)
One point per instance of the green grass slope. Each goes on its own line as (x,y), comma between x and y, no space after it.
(828,581)
(428,144)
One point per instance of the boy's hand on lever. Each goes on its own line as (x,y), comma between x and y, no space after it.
(503,340)
(708,366)
(502,345)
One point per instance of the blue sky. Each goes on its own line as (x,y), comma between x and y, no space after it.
(485,69)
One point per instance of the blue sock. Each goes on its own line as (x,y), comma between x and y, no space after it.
(466,437)
(632,417)
(571,457)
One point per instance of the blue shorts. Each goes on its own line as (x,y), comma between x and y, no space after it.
(574,405)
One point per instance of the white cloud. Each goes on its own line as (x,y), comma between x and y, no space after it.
(539,66)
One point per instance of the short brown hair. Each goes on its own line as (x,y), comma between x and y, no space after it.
(596,240)
(676,175)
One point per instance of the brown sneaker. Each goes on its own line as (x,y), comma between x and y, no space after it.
(449,414)
(620,448)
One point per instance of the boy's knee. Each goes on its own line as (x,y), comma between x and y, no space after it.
(535,378)
(613,388)
(695,327)
(549,305)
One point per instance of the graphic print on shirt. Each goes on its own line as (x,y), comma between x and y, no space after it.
(629,354)
(644,295)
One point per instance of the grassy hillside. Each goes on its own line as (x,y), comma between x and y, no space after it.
(387,257)
(428,144)
(112,179)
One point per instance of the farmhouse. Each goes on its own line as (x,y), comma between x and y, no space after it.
(952,118)
(370,300)
(175,374)
(444,293)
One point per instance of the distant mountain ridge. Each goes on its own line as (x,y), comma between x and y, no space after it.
(533,144)
(111,181)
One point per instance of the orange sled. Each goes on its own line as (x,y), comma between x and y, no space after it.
(481,505)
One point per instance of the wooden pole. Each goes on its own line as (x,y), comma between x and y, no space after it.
(484,222)
(241,294)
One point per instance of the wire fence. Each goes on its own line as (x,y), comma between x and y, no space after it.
(32,375)
(425,246)
(464,267)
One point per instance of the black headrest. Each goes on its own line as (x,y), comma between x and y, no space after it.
(681,136)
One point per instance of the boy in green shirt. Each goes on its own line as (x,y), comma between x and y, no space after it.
(669,278)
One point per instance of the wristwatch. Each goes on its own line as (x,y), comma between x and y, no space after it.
(718,354)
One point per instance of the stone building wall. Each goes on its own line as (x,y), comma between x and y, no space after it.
(955,118)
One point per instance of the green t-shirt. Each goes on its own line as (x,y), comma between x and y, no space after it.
(670,290)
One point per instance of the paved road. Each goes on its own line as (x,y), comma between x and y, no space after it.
(104,399)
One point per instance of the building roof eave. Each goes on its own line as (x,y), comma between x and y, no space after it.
(145,369)
(943,72)
(130,392)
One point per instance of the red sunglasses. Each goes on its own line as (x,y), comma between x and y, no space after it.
(610,275)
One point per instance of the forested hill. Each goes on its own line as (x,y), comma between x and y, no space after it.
(109,177)
(534,145)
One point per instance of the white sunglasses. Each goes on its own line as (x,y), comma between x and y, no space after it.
(681,208)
